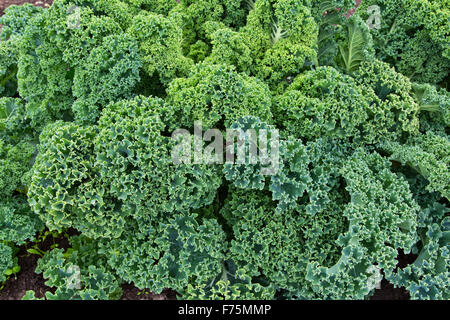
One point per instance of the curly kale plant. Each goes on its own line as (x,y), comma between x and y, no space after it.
(412,35)
(338,120)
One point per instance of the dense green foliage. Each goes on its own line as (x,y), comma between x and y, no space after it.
(413,36)
(91,91)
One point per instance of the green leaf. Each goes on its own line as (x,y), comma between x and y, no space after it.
(352,49)
(34,251)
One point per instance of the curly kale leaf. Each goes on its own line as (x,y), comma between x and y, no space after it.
(108,74)
(412,36)
(428,154)
(72,282)
(170,254)
(217,95)
(15,19)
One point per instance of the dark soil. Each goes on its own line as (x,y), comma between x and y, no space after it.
(16,287)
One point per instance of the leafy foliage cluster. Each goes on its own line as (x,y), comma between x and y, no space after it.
(91,90)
